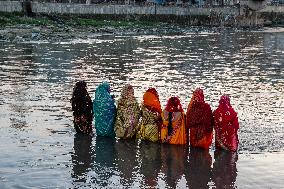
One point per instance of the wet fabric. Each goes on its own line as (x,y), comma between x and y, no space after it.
(226,125)
(82,108)
(173,130)
(199,119)
(128,114)
(151,120)
(104,111)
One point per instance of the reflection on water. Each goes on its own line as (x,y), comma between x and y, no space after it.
(105,167)
(198,172)
(83,157)
(36,119)
(126,160)
(173,159)
(224,172)
(150,157)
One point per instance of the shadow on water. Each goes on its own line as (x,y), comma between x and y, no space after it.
(126,160)
(224,171)
(83,158)
(173,159)
(198,168)
(150,156)
(104,164)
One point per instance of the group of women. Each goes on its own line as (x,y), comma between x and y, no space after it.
(149,122)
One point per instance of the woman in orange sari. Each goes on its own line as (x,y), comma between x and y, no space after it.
(199,119)
(226,125)
(173,130)
(150,123)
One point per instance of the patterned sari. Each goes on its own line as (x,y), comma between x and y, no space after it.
(199,119)
(173,130)
(226,125)
(104,111)
(150,123)
(82,108)
(128,114)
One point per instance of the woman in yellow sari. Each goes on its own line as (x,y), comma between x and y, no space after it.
(128,114)
(150,123)
(173,130)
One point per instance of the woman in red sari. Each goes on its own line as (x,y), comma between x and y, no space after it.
(173,130)
(226,125)
(199,119)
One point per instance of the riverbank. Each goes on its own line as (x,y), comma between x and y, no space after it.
(17,27)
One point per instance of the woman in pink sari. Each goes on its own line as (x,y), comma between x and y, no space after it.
(226,125)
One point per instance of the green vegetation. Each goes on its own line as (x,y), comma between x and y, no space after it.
(111,23)
(9,19)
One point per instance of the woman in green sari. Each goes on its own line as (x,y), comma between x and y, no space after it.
(128,114)
(104,111)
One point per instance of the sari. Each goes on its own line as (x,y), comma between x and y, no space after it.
(173,130)
(226,125)
(199,119)
(128,114)
(150,123)
(82,108)
(104,111)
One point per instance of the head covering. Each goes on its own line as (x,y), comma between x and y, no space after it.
(103,90)
(197,96)
(104,111)
(80,89)
(151,100)
(127,92)
(81,84)
(174,105)
(80,97)
(225,100)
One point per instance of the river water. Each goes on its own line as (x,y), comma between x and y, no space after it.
(39,148)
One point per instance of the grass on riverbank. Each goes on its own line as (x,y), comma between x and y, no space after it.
(10,19)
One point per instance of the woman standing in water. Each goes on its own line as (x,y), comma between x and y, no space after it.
(82,108)
(104,111)
(173,130)
(226,125)
(128,114)
(150,124)
(199,119)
